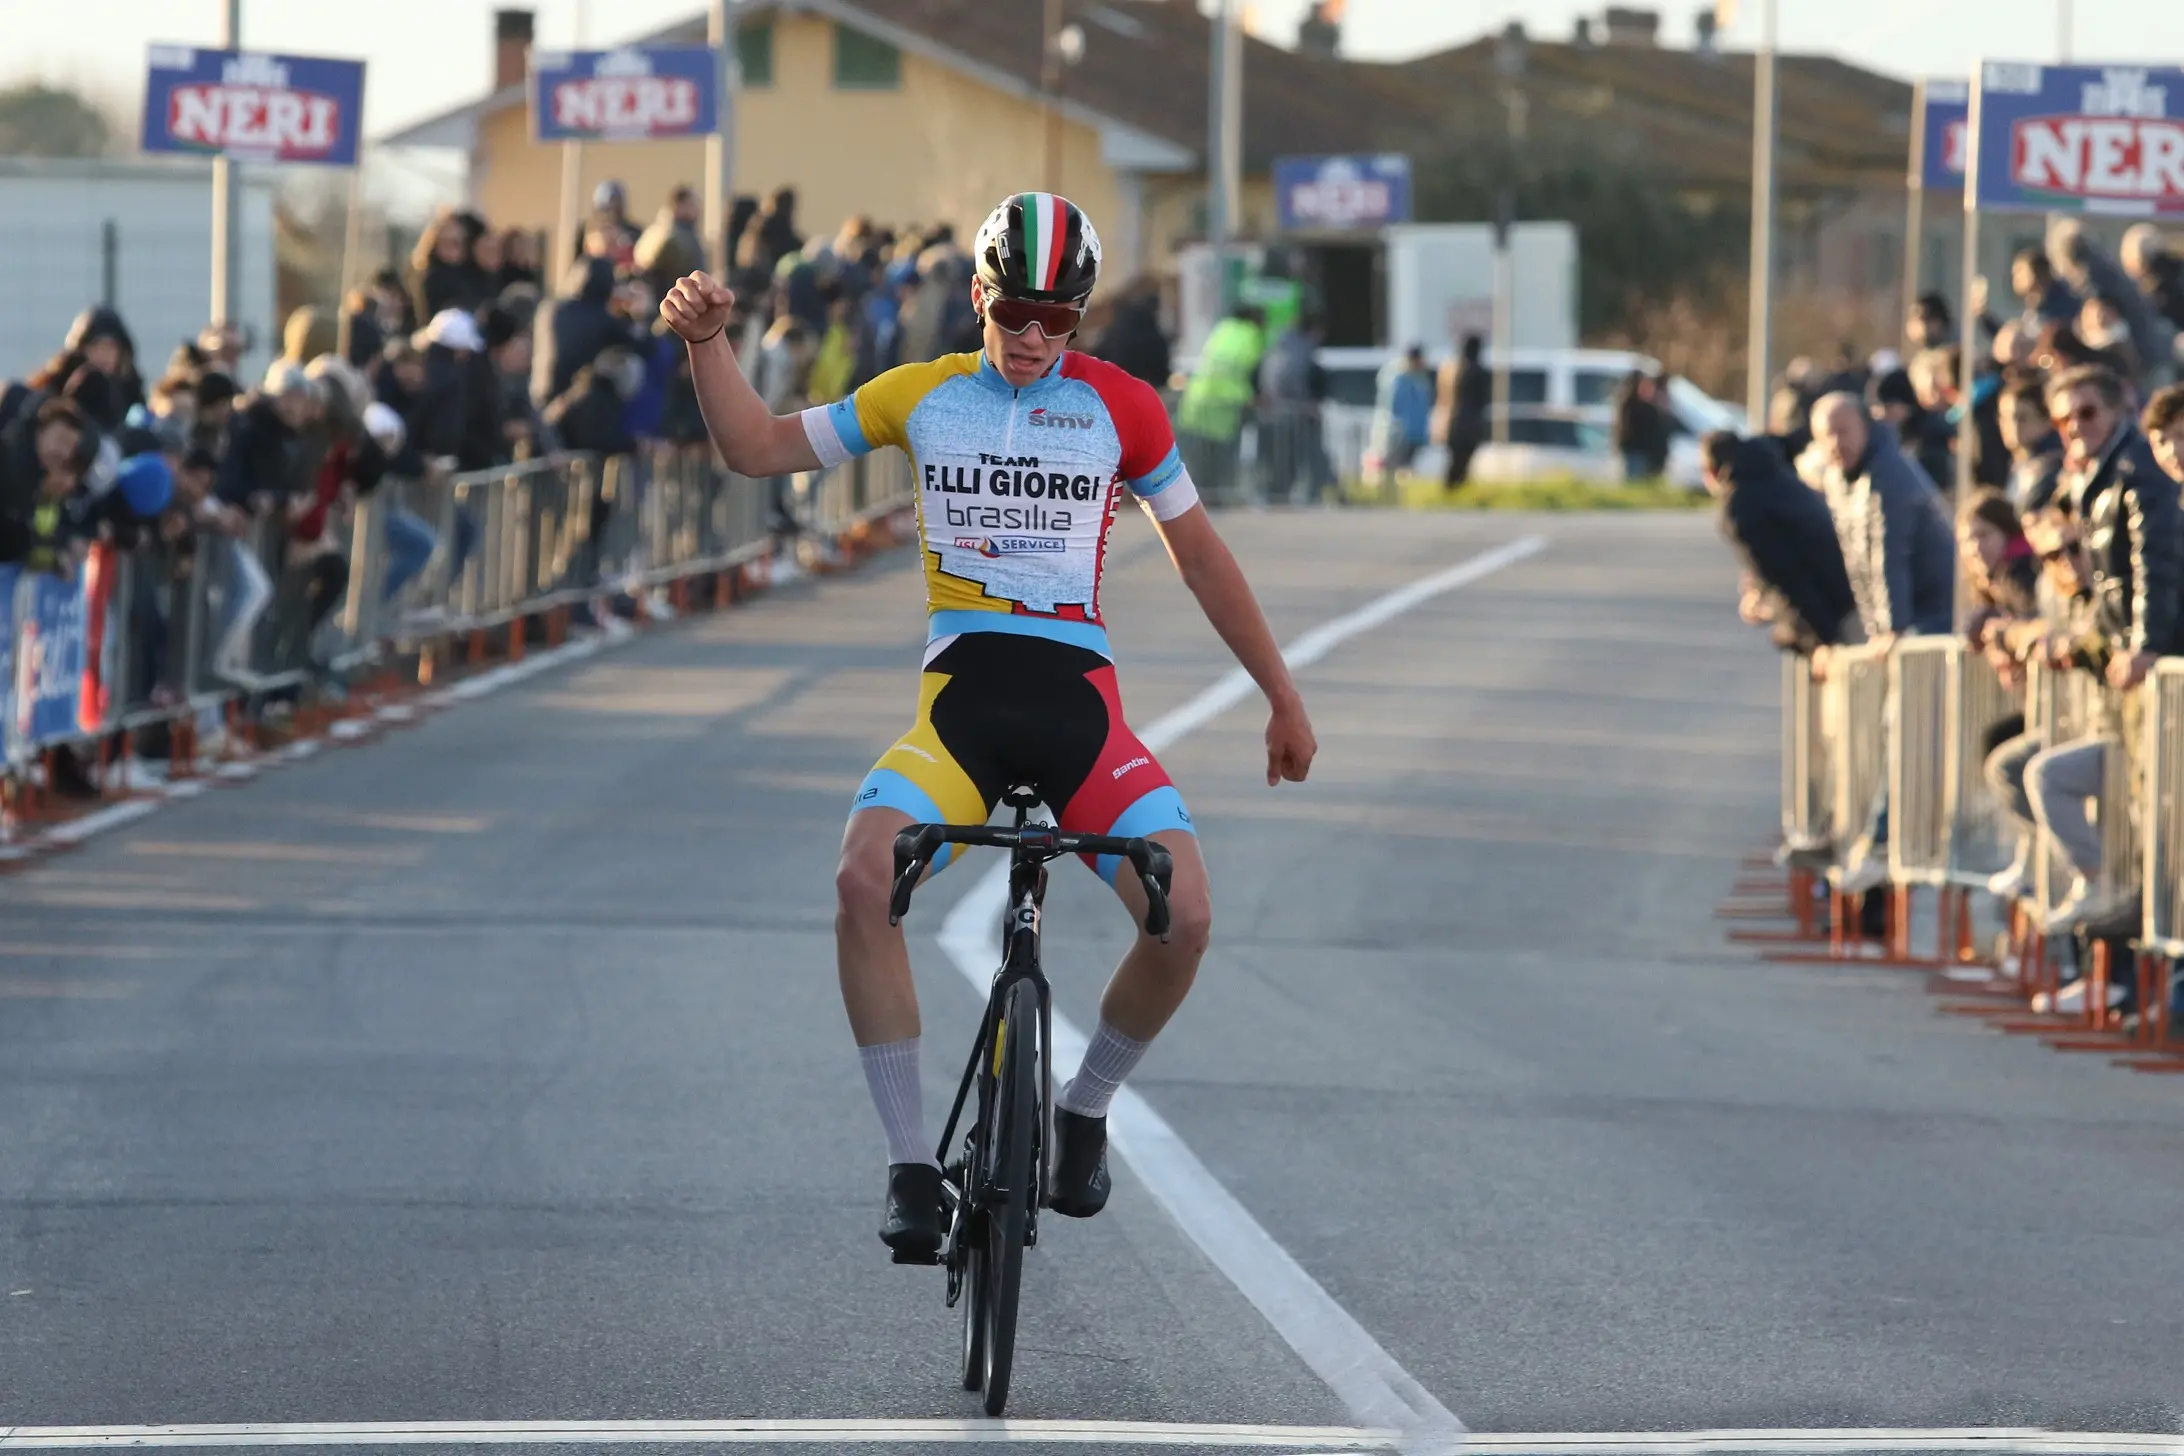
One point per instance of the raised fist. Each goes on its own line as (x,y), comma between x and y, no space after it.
(697,307)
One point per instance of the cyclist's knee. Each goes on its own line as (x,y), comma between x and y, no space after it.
(1190,921)
(862,882)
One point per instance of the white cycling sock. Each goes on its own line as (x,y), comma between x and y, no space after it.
(891,1072)
(1106,1062)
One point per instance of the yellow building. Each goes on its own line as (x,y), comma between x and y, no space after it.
(929,111)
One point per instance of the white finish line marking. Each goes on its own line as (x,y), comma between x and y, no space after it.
(1326,1439)
(1366,1378)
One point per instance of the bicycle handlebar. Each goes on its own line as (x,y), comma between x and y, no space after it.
(916,845)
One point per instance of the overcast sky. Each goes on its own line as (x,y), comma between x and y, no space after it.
(425,55)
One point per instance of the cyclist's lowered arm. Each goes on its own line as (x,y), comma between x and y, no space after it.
(1208,568)
(751,438)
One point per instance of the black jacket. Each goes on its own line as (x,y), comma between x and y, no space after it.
(2132,534)
(1133,343)
(263,456)
(459,413)
(2035,479)
(582,328)
(1782,529)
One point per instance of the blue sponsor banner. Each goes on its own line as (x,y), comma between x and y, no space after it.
(1941,115)
(2099,139)
(1342,194)
(253,107)
(637,94)
(49,660)
(10,577)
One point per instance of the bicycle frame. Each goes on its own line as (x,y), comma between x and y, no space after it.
(1019,962)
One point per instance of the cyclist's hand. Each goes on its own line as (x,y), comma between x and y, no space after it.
(697,307)
(1290,745)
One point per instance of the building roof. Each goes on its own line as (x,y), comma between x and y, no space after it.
(1691,113)
(1142,81)
(1142,84)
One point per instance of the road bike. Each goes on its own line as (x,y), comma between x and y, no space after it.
(992,1192)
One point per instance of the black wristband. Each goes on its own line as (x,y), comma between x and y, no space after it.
(709,337)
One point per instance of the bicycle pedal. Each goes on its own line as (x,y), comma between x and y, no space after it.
(911,1256)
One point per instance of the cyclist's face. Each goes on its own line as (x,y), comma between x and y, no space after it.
(1023,357)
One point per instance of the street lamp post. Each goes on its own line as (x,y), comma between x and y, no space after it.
(1063,49)
(1759,341)
(227,197)
(1510,59)
(720,147)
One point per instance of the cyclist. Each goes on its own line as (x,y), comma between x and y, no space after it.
(1022,451)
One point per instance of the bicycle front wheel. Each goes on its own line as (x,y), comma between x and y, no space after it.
(1008,1212)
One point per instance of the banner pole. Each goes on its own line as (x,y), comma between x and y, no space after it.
(226,195)
(1967,427)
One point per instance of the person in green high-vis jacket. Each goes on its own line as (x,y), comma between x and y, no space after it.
(1209,419)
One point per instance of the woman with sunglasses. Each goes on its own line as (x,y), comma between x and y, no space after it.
(1023,451)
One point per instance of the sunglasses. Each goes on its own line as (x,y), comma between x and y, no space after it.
(2084,414)
(1014,316)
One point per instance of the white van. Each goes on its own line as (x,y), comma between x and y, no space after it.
(1561,416)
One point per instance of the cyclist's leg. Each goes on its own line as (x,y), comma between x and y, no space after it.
(1126,792)
(917,780)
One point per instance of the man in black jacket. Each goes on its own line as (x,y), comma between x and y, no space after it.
(2124,508)
(1781,528)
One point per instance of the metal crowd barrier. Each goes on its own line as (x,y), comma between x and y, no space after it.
(177,630)
(1807,796)
(1854,716)
(2161,802)
(1945,826)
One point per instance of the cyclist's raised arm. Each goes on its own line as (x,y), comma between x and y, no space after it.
(752,439)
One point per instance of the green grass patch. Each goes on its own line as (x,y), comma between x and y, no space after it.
(1563,493)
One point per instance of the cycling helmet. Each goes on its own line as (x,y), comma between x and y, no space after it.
(1038,248)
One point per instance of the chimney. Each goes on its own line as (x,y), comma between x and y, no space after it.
(1708,36)
(511,47)
(1320,32)
(1631,27)
(1582,36)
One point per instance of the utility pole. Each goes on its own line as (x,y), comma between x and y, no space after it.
(569,229)
(1510,59)
(1224,148)
(1759,342)
(227,200)
(720,147)
(1050,85)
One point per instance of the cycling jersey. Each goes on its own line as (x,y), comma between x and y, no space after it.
(1017,488)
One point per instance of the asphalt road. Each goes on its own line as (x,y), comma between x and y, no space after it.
(495,1071)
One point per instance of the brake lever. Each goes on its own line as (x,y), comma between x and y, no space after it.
(1156,872)
(906,884)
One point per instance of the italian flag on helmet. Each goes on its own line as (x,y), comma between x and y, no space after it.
(1038,247)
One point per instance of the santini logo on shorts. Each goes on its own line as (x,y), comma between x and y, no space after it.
(1133,763)
(1046,419)
(1011,545)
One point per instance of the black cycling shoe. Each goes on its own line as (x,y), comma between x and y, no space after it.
(1080,1164)
(912,1221)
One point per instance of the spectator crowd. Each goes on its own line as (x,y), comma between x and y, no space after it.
(2063,551)
(479,354)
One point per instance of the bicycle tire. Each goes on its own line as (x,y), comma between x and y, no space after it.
(1008,1217)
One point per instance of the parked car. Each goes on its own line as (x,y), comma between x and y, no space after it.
(1561,415)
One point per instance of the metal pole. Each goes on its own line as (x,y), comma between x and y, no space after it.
(720,147)
(227,208)
(2063,30)
(1759,343)
(1968,339)
(569,230)
(1050,86)
(1232,112)
(1504,325)
(110,264)
(352,247)
(1914,223)
(1217,221)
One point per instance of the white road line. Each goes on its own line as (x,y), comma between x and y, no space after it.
(1371,1385)
(712,1433)
(952,1432)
